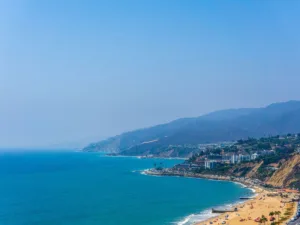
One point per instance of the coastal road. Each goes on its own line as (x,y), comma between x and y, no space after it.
(297,222)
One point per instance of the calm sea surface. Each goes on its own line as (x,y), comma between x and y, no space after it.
(64,188)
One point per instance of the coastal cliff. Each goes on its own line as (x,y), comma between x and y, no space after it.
(288,174)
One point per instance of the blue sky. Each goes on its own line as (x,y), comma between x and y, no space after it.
(77,71)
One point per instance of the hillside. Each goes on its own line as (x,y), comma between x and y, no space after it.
(272,161)
(288,174)
(219,126)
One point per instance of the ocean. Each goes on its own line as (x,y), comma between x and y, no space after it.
(77,188)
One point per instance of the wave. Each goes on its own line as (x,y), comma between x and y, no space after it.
(241,184)
(143,172)
(196,218)
(253,190)
(207,214)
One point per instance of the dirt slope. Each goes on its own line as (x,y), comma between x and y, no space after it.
(287,173)
(252,172)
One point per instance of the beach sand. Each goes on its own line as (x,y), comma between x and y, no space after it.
(251,209)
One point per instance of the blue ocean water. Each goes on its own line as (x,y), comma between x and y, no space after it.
(76,188)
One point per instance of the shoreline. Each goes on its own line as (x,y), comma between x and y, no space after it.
(247,213)
(144,157)
(209,215)
(245,182)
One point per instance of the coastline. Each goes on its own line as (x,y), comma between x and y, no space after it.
(262,202)
(144,157)
(207,215)
(245,182)
(250,210)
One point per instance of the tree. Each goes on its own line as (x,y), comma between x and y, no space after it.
(263,219)
(277,213)
(271,214)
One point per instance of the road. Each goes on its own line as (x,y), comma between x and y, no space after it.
(297,222)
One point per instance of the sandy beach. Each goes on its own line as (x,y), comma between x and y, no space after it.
(262,204)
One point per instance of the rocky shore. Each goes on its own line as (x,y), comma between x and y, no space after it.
(170,172)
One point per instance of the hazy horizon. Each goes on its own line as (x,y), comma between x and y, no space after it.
(75,144)
(74,72)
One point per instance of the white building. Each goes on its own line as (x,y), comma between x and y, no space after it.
(243,158)
(239,158)
(209,164)
(254,156)
(234,159)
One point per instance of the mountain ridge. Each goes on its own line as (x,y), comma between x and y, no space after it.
(218,126)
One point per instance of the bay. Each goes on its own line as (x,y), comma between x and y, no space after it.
(77,188)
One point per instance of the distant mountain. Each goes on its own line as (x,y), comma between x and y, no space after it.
(224,125)
(228,113)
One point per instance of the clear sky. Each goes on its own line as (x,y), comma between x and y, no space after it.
(75,71)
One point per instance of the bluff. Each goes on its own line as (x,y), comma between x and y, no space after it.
(288,174)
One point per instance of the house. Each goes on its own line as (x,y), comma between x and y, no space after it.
(267,152)
(182,166)
(271,168)
(200,162)
(254,156)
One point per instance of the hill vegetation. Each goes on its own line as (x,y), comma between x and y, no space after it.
(275,161)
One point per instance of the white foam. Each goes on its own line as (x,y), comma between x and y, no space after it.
(144,173)
(196,218)
(253,190)
(206,214)
(241,184)
(185,220)
(245,186)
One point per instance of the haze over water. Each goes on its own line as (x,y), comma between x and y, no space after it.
(90,189)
